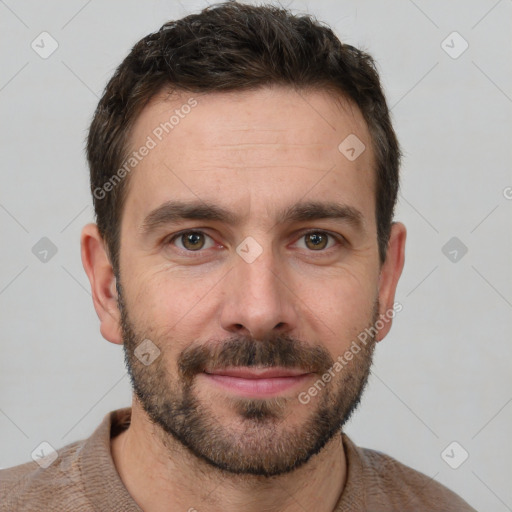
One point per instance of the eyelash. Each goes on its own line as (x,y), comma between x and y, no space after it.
(339,238)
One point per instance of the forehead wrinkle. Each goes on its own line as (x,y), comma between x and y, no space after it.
(242,167)
(276,145)
(313,156)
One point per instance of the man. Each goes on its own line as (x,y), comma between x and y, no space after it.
(244,173)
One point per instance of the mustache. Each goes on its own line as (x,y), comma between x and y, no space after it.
(275,350)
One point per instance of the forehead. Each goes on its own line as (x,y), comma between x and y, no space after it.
(267,147)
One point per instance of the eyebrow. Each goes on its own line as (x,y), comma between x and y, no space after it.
(174,211)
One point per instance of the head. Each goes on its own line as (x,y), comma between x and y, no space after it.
(244,173)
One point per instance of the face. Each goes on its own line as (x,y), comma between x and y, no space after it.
(249,259)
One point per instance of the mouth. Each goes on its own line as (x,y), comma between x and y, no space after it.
(257,382)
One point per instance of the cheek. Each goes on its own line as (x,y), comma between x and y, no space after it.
(343,309)
(168,309)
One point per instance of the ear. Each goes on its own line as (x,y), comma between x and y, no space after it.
(390,273)
(103,283)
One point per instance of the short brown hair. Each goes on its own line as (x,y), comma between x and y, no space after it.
(230,47)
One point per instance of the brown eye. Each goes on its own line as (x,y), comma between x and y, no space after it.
(316,240)
(192,241)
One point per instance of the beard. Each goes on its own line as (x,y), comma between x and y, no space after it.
(260,441)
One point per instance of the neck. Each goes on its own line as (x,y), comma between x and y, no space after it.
(170,478)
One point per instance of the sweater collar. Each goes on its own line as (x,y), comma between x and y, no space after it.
(103,485)
(106,491)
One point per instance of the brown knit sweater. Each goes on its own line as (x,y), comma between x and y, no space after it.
(84,478)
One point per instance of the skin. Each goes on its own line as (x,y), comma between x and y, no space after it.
(253,153)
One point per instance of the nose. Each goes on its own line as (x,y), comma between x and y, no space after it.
(258,299)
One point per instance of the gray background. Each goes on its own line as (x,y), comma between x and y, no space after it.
(442,375)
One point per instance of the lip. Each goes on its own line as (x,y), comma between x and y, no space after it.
(257,373)
(257,382)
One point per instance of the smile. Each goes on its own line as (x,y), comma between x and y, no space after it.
(257,382)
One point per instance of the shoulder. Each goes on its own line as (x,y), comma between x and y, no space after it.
(391,485)
(36,486)
(81,476)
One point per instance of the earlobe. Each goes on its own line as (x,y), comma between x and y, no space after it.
(103,282)
(391,271)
